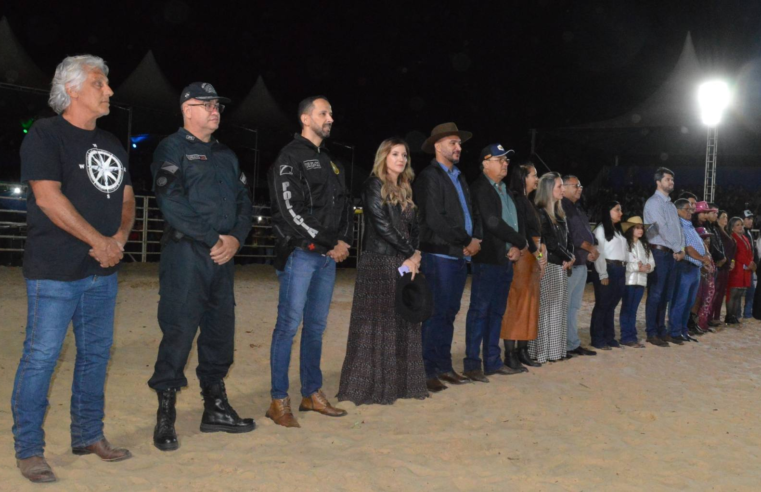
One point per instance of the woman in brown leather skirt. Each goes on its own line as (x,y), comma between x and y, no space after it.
(519,325)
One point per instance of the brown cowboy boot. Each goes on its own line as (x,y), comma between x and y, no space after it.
(317,402)
(104,450)
(280,412)
(36,469)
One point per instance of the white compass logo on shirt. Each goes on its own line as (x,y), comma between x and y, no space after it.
(104,169)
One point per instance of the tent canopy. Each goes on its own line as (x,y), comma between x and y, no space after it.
(260,110)
(148,87)
(15,65)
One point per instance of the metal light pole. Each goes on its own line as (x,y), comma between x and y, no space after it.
(714,98)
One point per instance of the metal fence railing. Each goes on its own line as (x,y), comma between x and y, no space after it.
(144,243)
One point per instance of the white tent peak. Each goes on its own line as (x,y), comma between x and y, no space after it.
(259,109)
(674,104)
(16,67)
(148,87)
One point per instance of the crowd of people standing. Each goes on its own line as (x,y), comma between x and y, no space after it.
(529,246)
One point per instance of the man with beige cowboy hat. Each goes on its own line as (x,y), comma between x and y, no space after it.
(450,233)
(639,263)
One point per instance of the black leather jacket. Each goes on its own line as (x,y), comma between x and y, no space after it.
(383,223)
(440,215)
(555,236)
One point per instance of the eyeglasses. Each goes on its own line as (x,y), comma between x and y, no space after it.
(501,160)
(210,106)
(577,185)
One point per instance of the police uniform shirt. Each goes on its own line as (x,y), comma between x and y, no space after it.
(91,166)
(200,188)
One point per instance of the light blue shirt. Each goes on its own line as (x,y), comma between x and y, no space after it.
(666,230)
(509,213)
(692,238)
(454,175)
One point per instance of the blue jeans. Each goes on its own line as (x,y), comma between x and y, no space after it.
(576,285)
(306,288)
(607,298)
(446,278)
(750,294)
(51,305)
(660,289)
(685,294)
(632,297)
(488,301)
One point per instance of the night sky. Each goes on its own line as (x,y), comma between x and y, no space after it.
(495,68)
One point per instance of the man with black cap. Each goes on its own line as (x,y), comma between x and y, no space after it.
(750,292)
(450,232)
(207,211)
(503,243)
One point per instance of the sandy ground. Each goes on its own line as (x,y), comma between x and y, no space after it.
(682,418)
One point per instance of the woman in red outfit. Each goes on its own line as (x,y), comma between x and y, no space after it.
(740,273)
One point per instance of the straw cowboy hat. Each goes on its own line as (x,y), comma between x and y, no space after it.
(636,220)
(441,131)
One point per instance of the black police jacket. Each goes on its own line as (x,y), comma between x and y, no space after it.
(200,189)
(555,236)
(497,233)
(311,207)
(440,215)
(384,223)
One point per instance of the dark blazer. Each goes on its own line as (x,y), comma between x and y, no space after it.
(383,223)
(496,231)
(555,236)
(440,215)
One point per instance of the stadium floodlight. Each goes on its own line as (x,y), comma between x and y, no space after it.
(714,98)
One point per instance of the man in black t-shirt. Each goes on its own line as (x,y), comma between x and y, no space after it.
(80,210)
(207,209)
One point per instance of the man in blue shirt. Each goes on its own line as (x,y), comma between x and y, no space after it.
(688,279)
(450,233)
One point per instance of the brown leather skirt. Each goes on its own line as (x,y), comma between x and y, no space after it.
(522,314)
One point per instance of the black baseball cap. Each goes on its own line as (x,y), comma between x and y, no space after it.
(203,91)
(495,150)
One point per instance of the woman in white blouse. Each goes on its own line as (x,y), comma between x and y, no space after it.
(639,264)
(611,270)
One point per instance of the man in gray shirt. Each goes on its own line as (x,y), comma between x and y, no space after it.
(667,243)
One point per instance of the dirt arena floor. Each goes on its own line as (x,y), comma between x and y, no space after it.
(681,418)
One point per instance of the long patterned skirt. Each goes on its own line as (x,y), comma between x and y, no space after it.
(384,353)
(550,343)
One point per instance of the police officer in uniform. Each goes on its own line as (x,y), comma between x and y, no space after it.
(203,196)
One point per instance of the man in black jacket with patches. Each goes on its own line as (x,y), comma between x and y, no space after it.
(450,232)
(312,219)
(502,244)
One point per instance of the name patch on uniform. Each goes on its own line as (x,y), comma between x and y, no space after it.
(286,169)
(312,164)
(195,157)
(190,137)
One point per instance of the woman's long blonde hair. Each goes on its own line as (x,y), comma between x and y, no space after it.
(394,193)
(545,200)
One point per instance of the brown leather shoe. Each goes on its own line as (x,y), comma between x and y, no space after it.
(317,402)
(36,469)
(476,376)
(453,378)
(435,385)
(280,412)
(104,451)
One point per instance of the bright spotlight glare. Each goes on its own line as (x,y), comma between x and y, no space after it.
(714,98)
(16,190)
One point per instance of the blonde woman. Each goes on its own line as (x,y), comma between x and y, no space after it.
(384,355)
(550,344)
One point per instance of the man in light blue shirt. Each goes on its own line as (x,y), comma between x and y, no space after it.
(667,242)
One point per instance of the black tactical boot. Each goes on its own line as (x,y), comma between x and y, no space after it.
(218,415)
(164,436)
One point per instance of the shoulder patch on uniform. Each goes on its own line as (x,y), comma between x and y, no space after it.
(162,181)
(312,164)
(170,167)
(286,169)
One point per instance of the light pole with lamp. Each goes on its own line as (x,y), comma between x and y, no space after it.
(714,98)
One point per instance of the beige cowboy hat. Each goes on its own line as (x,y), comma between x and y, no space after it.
(636,220)
(441,131)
